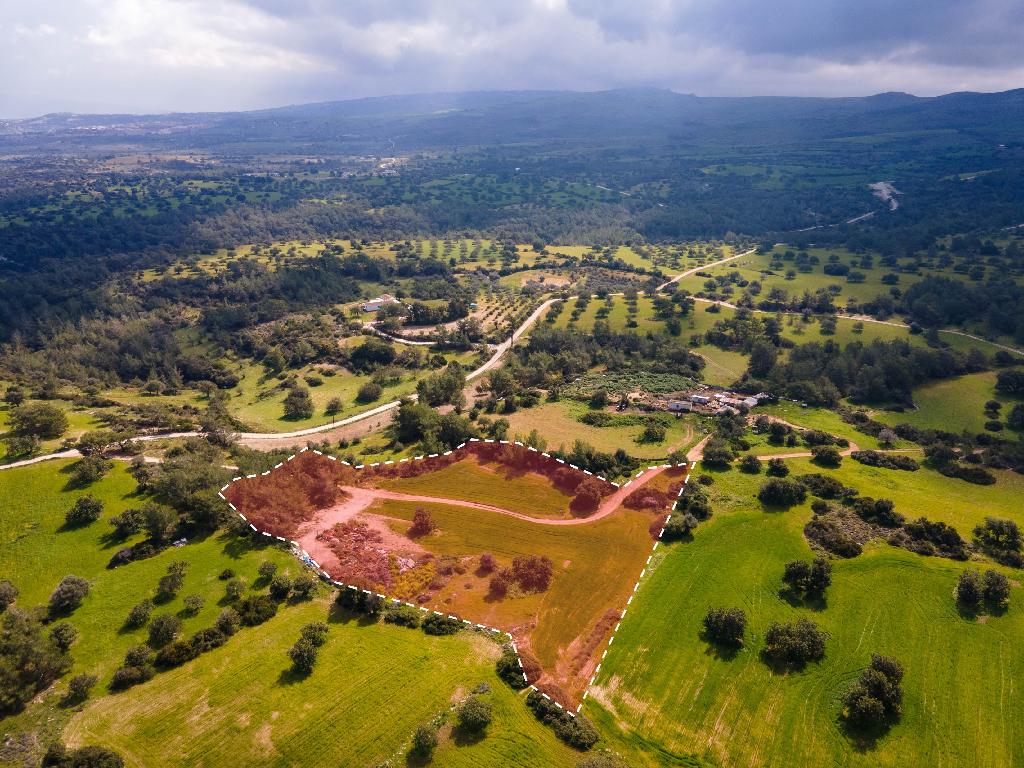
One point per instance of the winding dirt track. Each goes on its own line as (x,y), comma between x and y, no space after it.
(361,498)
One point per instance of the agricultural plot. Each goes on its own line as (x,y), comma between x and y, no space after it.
(495,534)
(663,689)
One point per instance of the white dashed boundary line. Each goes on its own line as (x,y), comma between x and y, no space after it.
(305,558)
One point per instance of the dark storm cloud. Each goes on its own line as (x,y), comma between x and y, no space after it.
(152,55)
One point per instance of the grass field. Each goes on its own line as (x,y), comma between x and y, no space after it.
(586,582)
(490,483)
(559,424)
(954,405)
(371,688)
(232,706)
(661,692)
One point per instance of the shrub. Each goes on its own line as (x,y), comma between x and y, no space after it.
(880,512)
(576,731)
(875,699)
(171,582)
(8,594)
(234,589)
(163,629)
(826,455)
(315,632)
(80,686)
(256,609)
(57,756)
(139,615)
(68,595)
(424,741)
(750,464)
(1000,538)
(509,669)
(718,452)
(474,714)
(830,536)
(439,624)
(193,604)
(808,579)
(777,468)
(29,661)
(886,460)
(679,527)
(939,537)
(303,656)
(403,615)
(794,644)
(280,587)
(227,573)
(725,626)
(532,573)
(969,590)
(128,523)
(487,563)
(303,586)
(779,492)
(267,570)
(996,589)
(422,523)
(85,511)
(587,496)
(228,622)
(369,392)
(63,635)
(823,486)
(88,470)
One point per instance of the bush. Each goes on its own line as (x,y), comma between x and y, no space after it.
(999,538)
(303,586)
(280,587)
(750,464)
(86,757)
(171,582)
(84,511)
(193,604)
(403,616)
(163,629)
(88,470)
(808,579)
(929,537)
(369,392)
(63,635)
(139,615)
(29,661)
(777,468)
(256,609)
(718,452)
(80,686)
(885,460)
(880,512)
(969,590)
(826,455)
(315,632)
(779,492)
(474,714)
(298,404)
(830,536)
(228,622)
(8,594)
(68,595)
(267,570)
(679,527)
(439,624)
(794,644)
(424,741)
(42,420)
(996,589)
(875,699)
(823,486)
(422,523)
(725,626)
(303,656)
(234,589)
(509,669)
(576,731)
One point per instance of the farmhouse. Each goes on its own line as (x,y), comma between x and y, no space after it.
(375,304)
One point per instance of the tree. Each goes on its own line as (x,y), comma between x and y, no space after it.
(996,589)
(763,356)
(315,632)
(298,404)
(139,615)
(68,595)
(777,468)
(8,594)
(163,629)
(171,582)
(532,573)
(424,741)
(422,523)
(750,464)
(587,496)
(794,644)
(29,661)
(63,635)
(826,455)
(654,432)
(193,604)
(718,452)
(303,656)
(86,510)
(57,756)
(88,470)
(780,492)
(234,589)
(369,392)
(267,570)
(14,396)
(42,420)
(280,587)
(725,626)
(334,406)
(303,586)
(808,579)
(160,521)
(875,699)
(79,687)
(969,589)
(474,714)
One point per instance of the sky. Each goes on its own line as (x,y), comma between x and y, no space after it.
(214,55)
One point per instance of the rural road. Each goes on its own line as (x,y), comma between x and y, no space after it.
(694,270)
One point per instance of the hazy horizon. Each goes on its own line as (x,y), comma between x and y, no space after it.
(159,56)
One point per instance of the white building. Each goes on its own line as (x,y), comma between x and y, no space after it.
(375,304)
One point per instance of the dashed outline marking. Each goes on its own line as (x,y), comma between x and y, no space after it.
(305,558)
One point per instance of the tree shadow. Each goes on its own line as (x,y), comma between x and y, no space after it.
(464,738)
(719,651)
(291,676)
(968,612)
(815,603)
(418,760)
(864,739)
(780,666)
(340,615)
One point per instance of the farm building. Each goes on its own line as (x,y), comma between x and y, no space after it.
(373,305)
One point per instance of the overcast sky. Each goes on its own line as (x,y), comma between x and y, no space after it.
(190,55)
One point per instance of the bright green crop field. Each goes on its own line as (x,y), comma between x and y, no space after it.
(663,691)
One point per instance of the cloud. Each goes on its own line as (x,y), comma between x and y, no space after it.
(160,55)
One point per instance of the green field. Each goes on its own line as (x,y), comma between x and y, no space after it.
(661,691)
(953,405)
